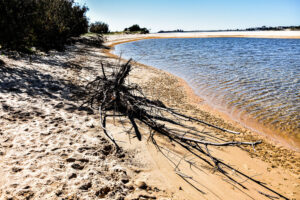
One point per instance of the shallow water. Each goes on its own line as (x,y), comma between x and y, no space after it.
(253,77)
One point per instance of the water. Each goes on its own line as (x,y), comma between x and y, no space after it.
(253,77)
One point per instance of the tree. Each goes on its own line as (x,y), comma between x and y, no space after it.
(136,28)
(99,27)
(144,31)
(44,24)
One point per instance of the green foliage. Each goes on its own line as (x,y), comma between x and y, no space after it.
(99,27)
(136,29)
(45,24)
(144,31)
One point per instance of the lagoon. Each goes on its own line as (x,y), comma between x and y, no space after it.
(248,78)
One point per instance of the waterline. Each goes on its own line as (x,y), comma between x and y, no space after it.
(257,78)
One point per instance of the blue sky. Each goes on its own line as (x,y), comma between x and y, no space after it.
(193,14)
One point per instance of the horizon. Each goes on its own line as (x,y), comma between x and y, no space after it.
(192,15)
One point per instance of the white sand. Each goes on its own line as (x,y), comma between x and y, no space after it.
(262,34)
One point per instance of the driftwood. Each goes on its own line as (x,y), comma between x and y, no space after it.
(113,97)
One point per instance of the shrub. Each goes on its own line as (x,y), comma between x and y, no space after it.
(136,28)
(144,31)
(44,24)
(99,27)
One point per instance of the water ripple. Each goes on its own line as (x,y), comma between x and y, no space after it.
(258,76)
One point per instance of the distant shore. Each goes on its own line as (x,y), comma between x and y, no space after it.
(255,34)
(241,34)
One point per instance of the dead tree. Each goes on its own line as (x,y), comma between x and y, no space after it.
(113,97)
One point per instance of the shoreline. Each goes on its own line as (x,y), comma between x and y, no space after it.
(244,121)
(236,34)
(271,159)
(240,34)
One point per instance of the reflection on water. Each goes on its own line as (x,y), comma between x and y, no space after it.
(257,77)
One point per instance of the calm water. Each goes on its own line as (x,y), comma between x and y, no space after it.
(258,78)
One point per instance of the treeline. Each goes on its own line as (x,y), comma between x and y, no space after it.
(99,27)
(262,28)
(102,28)
(44,24)
(174,31)
(271,28)
(136,29)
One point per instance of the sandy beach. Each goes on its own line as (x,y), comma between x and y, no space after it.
(249,34)
(255,34)
(52,149)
